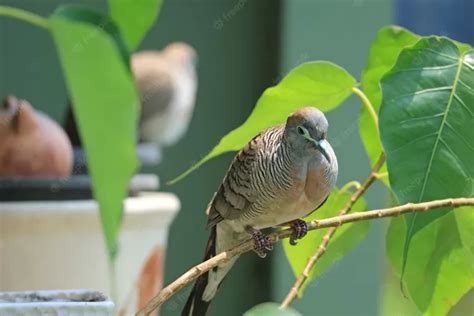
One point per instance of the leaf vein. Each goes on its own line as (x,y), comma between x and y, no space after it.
(466,85)
(425,68)
(465,171)
(422,118)
(463,104)
(428,90)
(460,136)
(414,141)
(436,53)
(471,67)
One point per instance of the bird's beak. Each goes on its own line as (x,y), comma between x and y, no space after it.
(323,146)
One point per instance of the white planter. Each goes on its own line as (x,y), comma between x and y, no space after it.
(59,244)
(55,303)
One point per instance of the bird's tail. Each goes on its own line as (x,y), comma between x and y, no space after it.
(206,285)
(195,305)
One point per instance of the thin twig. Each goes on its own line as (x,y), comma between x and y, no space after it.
(225,256)
(321,249)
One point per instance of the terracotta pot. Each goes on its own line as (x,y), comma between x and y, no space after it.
(31,144)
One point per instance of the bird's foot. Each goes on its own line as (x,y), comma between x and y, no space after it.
(262,242)
(300,229)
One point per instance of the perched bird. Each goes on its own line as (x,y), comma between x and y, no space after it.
(32,144)
(167,84)
(282,175)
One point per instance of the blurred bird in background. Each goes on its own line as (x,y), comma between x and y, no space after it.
(167,83)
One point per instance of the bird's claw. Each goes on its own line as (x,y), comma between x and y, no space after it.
(300,229)
(262,242)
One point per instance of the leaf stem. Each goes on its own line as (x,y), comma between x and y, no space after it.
(113,281)
(368,105)
(381,175)
(351,184)
(24,16)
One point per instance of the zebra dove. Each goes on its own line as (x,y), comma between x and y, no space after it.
(282,175)
(167,84)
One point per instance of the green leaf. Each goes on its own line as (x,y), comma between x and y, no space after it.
(440,272)
(465,224)
(105,105)
(345,238)
(426,124)
(392,301)
(321,84)
(134,18)
(100,22)
(271,309)
(383,54)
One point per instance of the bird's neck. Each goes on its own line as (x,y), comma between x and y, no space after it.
(302,160)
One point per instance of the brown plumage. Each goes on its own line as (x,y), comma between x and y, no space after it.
(283,174)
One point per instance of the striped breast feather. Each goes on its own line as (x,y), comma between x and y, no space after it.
(240,188)
(272,170)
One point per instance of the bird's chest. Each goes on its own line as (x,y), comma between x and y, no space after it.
(310,190)
(310,187)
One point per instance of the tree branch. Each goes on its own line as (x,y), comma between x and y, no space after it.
(225,256)
(321,249)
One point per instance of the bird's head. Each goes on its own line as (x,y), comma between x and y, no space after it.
(181,53)
(306,130)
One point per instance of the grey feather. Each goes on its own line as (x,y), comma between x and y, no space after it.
(245,187)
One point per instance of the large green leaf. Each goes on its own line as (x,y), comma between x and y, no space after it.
(440,270)
(426,124)
(100,22)
(321,84)
(383,53)
(392,301)
(465,225)
(134,18)
(345,238)
(270,309)
(105,105)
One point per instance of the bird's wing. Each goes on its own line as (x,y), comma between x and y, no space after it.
(235,194)
(156,93)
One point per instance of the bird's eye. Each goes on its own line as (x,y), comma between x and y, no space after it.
(301,130)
